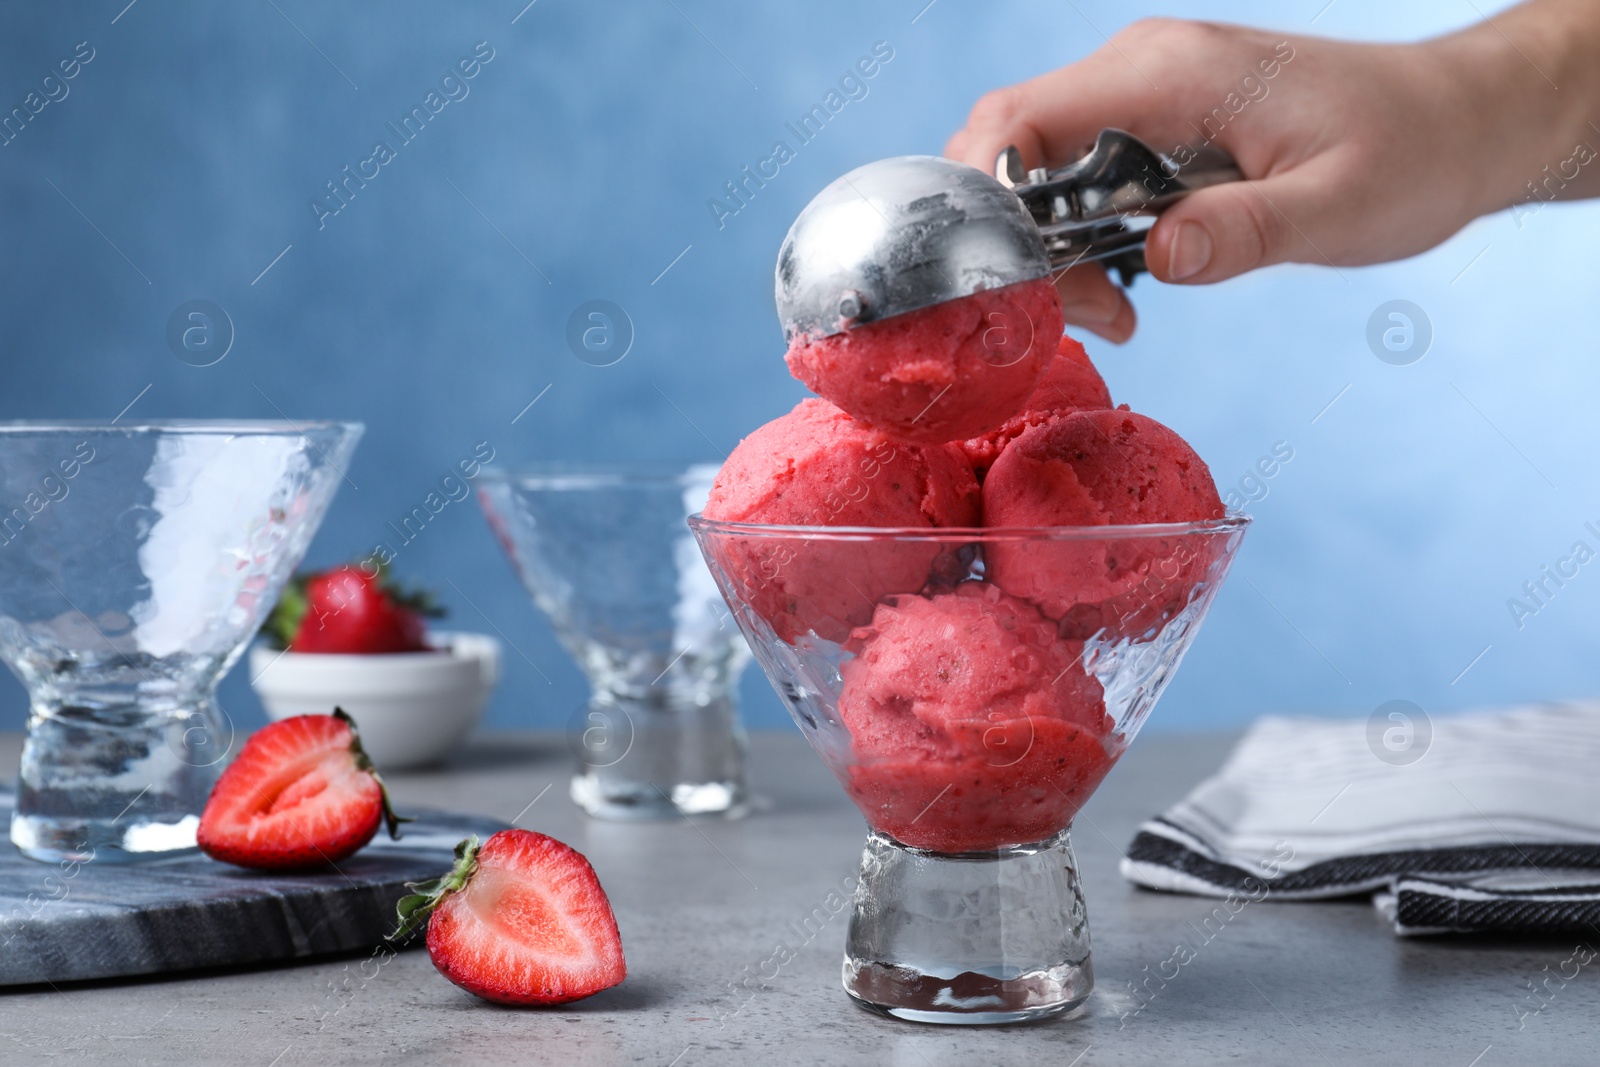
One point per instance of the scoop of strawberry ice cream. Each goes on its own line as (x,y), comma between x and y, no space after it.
(941,373)
(818,467)
(973,724)
(1093,468)
(1070,383)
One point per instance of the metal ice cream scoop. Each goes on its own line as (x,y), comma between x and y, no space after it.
(912,231)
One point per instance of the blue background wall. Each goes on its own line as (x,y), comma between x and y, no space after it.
(434,305)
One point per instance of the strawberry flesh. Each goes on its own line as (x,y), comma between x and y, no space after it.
(530,926)
(301,794)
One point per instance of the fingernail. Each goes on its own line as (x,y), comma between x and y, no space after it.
(1191,250)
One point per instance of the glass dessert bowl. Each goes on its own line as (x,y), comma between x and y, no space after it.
(138,562)
(604,554)
(969,720)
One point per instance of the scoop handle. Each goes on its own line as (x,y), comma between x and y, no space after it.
(1083,209)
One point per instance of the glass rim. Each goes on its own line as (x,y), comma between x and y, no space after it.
(238,427)
(1233,521)
(559,475)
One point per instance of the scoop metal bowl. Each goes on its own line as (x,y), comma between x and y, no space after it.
(909,232)
(901,234)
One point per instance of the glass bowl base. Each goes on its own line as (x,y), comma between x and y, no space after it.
(659,756)
(118,781)
(970,938)
(968,999)
(607,797)
(72,840)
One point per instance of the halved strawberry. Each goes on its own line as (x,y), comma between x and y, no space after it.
(301,794)
(520,920)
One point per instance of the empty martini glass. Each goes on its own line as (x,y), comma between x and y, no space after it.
(604,553)
(970,719)
(135,564)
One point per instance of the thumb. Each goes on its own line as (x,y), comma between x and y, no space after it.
(1233,228)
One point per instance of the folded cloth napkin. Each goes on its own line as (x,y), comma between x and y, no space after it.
(1481,821)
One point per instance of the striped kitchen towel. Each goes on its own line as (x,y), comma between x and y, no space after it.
(1480,821)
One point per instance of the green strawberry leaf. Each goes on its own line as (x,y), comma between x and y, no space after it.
(413,910)
(417,600)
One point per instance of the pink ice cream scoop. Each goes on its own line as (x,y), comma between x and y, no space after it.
(973,725)
(1094,468)
(941,373)
(1070,384)
(818,467)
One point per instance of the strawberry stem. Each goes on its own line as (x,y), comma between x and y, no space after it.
(364,762)
(413,910)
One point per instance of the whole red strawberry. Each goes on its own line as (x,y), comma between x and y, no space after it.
(520,920)
(301,794)
(350,609)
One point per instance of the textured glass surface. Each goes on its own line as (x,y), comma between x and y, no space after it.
(606,555)
(970,689)
(135,563)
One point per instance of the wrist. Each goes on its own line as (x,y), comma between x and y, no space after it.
(1523,89)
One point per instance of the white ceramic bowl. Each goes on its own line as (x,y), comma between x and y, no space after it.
(412,707)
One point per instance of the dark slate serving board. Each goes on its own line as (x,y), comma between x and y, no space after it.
(113,920)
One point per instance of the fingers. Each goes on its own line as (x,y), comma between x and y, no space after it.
(1143,80)
(1229,229)
(1000,118)
(956,149)
(1214,234)
(1090,299)
(1050,118)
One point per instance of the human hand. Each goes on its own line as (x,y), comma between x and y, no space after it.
(1353,153)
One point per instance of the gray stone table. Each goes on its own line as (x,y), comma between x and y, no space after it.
(702,908)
